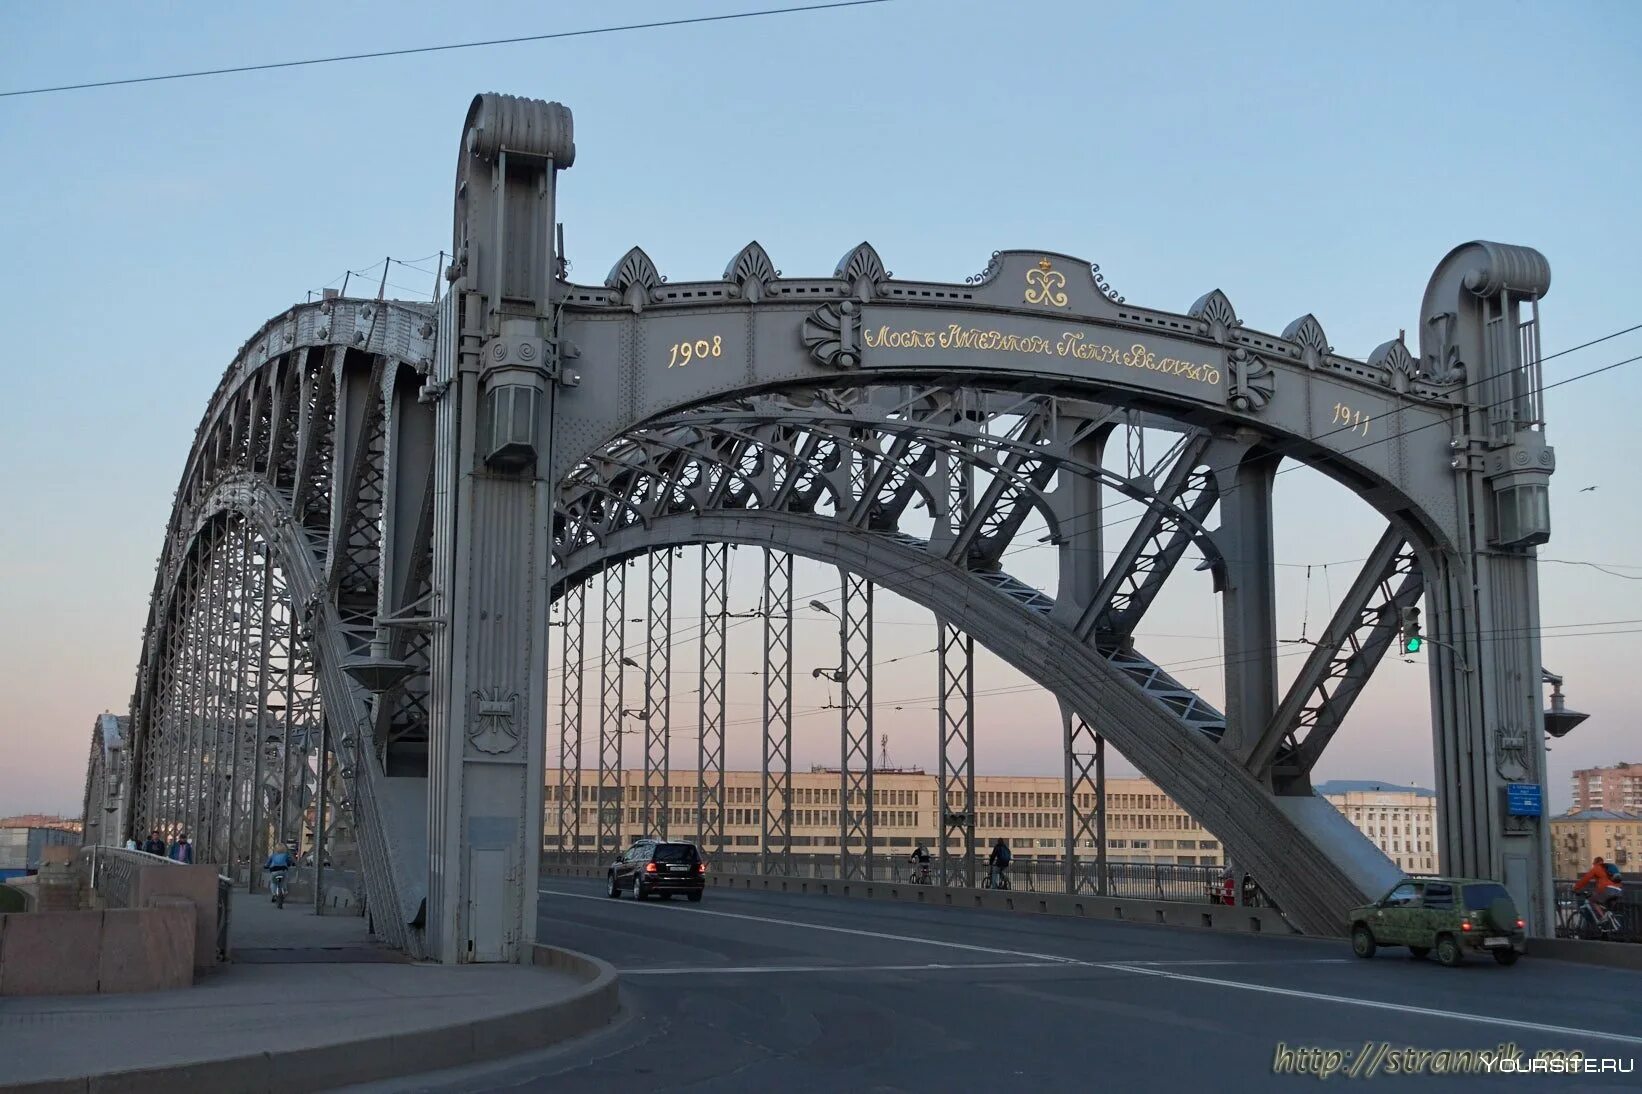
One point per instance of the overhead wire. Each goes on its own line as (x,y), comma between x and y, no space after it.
(441,48)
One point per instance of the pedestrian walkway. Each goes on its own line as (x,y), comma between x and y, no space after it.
(282,1014)
(260,933)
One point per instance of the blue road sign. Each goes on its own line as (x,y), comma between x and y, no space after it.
(1524,800)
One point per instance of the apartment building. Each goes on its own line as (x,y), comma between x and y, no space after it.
(1401,820)
(1617,789)
(1142,823)
(1579,836)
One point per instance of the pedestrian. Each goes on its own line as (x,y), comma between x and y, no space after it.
(182,850)
(154,845)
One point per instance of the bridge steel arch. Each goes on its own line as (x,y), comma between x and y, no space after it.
(426,481)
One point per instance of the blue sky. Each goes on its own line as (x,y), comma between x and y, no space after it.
(1302,157)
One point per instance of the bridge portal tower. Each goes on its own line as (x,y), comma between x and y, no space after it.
(495,377)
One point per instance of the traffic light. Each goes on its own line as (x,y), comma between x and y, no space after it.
(1412,639)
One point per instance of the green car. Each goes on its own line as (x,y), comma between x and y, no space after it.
(1448,914)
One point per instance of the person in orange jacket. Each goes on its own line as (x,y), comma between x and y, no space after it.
(1604,890)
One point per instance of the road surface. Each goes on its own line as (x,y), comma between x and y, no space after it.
(765,992)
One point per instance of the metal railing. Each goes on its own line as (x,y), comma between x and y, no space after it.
(1572,923)
(113,872)
(1036,874)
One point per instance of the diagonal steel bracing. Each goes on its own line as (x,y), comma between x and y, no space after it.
(1154,546)
(656,802)
(1341,662)
(855,802)
(775,770)
(715,608)
(570,718)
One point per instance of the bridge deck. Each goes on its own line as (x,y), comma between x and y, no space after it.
(762,992)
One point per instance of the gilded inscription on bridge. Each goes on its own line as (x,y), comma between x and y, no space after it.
(1070,343)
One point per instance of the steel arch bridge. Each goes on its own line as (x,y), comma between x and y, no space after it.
(348,642)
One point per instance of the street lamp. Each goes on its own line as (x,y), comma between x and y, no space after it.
(1559,719)
(820,607)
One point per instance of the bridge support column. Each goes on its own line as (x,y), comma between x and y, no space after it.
(1248,596)
(485,824)
(1480,320)
(496,378)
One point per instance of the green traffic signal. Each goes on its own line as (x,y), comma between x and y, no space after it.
(1413,644)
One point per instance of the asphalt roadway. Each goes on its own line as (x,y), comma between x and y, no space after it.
(769,992)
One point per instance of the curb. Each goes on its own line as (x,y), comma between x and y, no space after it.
(1608,955)
(371,1059)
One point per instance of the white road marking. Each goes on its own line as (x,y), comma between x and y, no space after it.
(739,969)
(1048,957)
(1141,969)
(1374,1004)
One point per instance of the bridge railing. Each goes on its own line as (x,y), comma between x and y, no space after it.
(1570,923)
(1182,883)
(112,872)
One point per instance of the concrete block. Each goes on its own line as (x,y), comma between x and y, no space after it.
(148,949)
(194,883)
(51,953)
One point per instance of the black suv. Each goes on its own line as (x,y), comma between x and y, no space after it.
(659,867)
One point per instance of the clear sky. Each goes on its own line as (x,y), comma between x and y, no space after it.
(1302,157)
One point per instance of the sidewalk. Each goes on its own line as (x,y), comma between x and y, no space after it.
(259,933)
(306,1003)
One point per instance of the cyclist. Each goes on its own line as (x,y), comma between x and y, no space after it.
(1605,891)
(281,860)
(997,862)
(920,863)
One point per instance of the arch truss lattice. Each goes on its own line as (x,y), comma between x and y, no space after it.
(385,501)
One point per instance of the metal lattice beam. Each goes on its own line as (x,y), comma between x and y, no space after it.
(611,674)
(1153,548)
(956,676)
(955,712)
(715,608)
(1084,795)
(570,718)
(855,804)
(775,771)
(656,801)
(1362,630)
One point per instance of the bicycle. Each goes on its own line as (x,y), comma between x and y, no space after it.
(995,878)
(1596,922)
(920,873)
(277,884)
